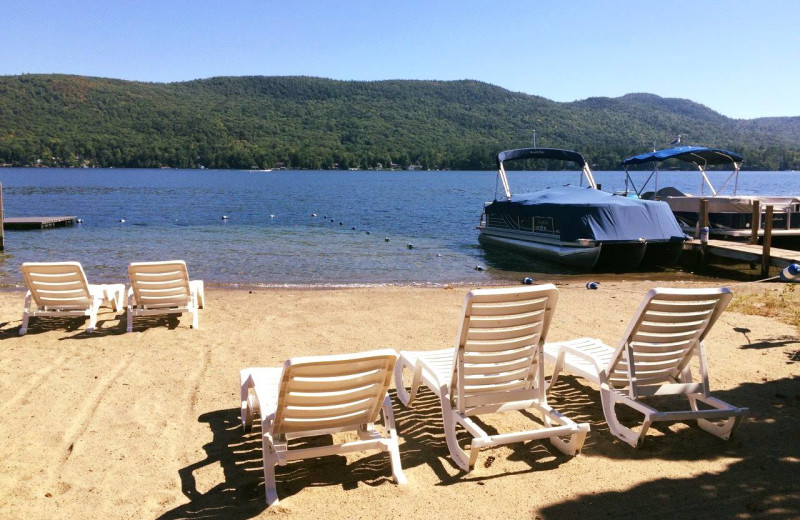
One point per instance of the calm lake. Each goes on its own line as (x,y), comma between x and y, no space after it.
(271,236)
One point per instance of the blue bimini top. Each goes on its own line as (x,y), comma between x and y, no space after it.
(593,214)
(693,154)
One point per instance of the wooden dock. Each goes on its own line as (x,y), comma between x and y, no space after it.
(21,223)
(779,258)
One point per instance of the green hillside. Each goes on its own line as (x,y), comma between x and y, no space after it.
(302,122)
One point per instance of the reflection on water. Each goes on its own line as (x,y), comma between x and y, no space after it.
(271,235)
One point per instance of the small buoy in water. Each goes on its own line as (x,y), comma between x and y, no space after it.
(438,254)
(353,228)
(367,232)
(527,280)
(791,273)
(122,220)
(313,214)
(80,221)
(272,216)
(479,268)
(341,223)
(592,285)
(386,239)
(410,245)
(224,217)
(331,220)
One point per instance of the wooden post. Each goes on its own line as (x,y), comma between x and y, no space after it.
(702,221)
(765,260)
(2,225)
(755,223)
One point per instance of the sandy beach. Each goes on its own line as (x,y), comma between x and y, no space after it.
(146,424)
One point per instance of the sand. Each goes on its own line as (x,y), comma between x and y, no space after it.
(146,424)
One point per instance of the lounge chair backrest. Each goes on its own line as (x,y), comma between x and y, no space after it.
(160,284)
(665,332)
(57,285)
(498,354)
(332,392)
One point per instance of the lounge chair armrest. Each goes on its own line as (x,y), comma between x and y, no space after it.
(566,349)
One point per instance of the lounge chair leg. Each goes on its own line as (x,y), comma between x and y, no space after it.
(130,320)
(556,370)
(402,393)
(270,488)
(195,320)
(609,399)
(576,440)
(394,449)
(93,315)
(26,314)
(460,456)
(248,408)
(722,430)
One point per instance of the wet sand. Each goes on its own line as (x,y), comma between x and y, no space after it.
(146,424)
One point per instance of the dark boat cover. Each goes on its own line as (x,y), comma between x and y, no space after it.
(593,214)
(693,154)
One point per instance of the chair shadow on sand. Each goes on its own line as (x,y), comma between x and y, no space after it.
(241,494)
(421,431)
(760,483)
(108,324)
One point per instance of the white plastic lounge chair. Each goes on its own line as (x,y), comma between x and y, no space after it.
(321,395)
(61,289)
(496,366)
(666,332)
(163,288)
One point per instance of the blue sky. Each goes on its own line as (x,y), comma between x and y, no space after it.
(740,58)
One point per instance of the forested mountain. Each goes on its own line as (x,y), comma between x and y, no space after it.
(303,122)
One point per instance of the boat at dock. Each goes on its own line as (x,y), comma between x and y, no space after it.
(579,226)
(731,216)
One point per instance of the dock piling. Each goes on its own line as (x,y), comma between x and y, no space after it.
(765,259)
(755,222)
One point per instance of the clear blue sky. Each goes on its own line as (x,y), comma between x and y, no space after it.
(740,58)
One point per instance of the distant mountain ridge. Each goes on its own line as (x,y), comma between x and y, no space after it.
(305,122)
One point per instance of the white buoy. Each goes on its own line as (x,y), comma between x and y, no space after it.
(224,217)
(80,221)
(122,221)
(313,214)
(272,216)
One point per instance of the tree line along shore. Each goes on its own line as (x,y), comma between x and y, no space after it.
(258,122)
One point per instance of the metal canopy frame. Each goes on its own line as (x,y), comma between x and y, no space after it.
(696,155)
(541,153)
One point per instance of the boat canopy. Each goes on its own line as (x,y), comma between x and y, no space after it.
(541,153)
(699,155)
(587,213)
(694,154)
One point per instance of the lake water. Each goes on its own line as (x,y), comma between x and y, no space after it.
(270,236)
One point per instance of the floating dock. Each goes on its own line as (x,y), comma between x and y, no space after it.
(22,223)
